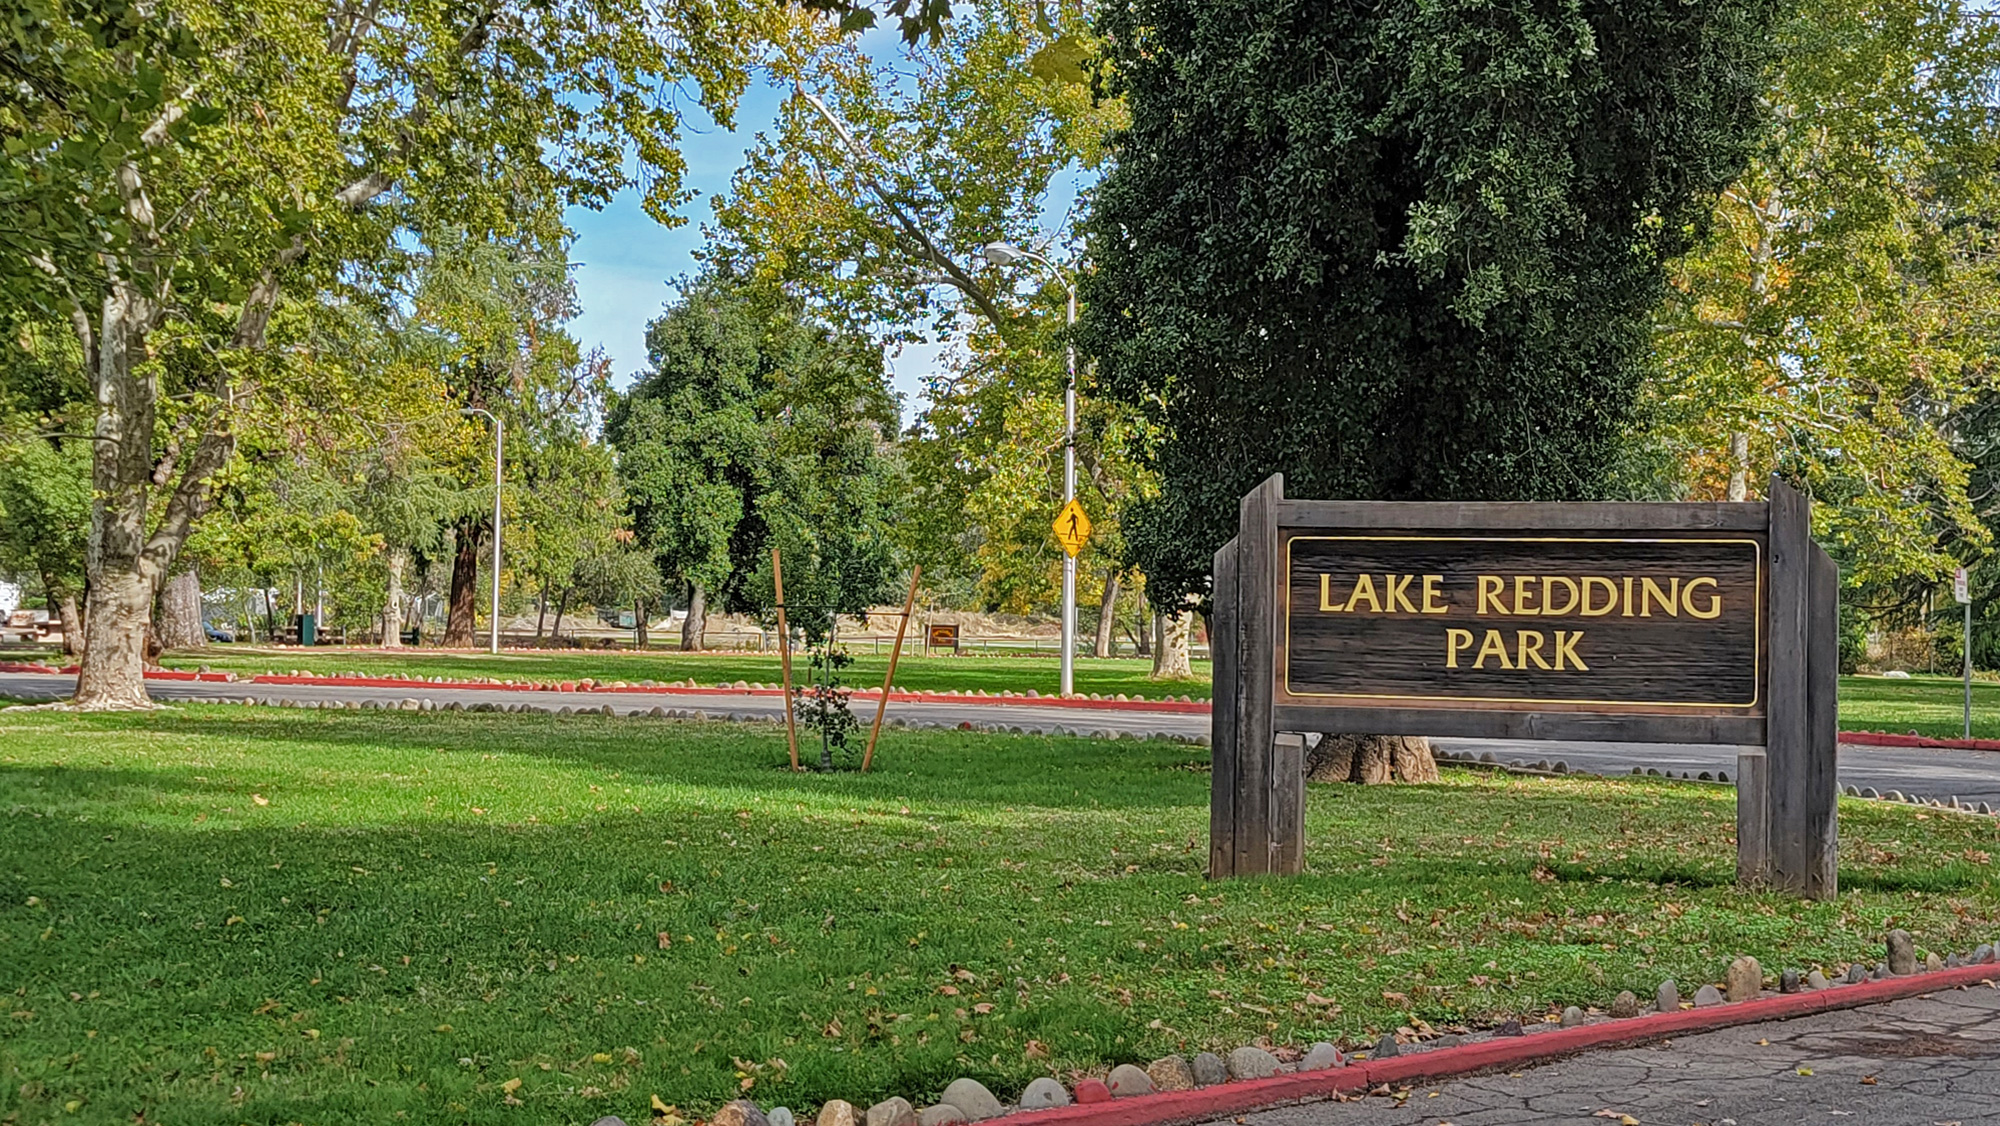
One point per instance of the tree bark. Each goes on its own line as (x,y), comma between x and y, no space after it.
(1371,760)
(392,606)
(1739,466)
(541,613)
(697,620)
(1107,618)
(1170,656)
(1149,627)
(181,625)
(459,621)
(639,623)
(72,626)
(562,604)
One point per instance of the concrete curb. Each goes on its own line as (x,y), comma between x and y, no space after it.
(1884,739)
(1500,1053)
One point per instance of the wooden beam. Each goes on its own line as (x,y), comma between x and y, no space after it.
(1256,634)
(1789,742)
(785,657)
(889,678)
(1224,750)
(1818,825)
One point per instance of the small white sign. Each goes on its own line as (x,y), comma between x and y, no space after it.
(1958,587)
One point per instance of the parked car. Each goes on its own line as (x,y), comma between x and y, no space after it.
(220,633)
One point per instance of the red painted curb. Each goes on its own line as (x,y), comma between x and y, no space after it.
(1492,1055)
(1884,739)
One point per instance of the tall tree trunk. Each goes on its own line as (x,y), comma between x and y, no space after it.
(459,619)
(639,623)
(271,615)
(541,612)
(392,606)
(181,624)
(1107,618)
(562,603)
(72,625)
(697,620)
(1739,466)
(1149,624)
(1170,656)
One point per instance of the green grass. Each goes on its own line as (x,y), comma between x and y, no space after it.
(1042,674)
(1928,705)
(224,914)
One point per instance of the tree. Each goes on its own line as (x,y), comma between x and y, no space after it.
(1839,322)
(175,168)
(692,447)
(44,509)
(1402,251)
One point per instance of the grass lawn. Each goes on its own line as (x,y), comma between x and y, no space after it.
(1018,673)
(226,914)
(1929,705)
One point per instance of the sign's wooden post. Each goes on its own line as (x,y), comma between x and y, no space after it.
(1695,623)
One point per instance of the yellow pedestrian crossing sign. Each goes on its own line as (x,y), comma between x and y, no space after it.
(1072,527)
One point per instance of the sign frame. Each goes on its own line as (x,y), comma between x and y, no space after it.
(941,635)
(1786,787)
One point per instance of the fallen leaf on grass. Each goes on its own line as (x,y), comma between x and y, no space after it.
(260,799)
(1805,1071)
(511,1086)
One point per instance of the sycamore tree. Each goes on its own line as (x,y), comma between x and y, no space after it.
(176,168)
(1398,251)
(1839,323)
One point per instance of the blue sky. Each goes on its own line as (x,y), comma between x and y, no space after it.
(625,260)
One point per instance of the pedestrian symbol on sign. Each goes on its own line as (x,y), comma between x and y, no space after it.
(1072,527)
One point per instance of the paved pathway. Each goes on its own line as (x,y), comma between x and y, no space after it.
(1933,1061)
(1971,775)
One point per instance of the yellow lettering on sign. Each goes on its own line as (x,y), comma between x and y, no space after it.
(1431,592)
(1521,589)
(1687,599)
(1550,582)
(1566,649)
(1493,646)
(1627,612)
(1454,640)
(1492,588)
(1650,592)
(1364,586)
(1326,602)
(1397,585)
(1529,642)
(1610,596)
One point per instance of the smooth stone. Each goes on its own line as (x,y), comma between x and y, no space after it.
(1902,953)
(1952,961)
(1933,963)
(1856,974)
(1983,955)
(972,1099)
(741,1112)
(1209,1070)
(1572,1016)
(1321,1057)
(1668,999)
(1707,995)
(780,1116)
(836,1112)
(1625,1005)
(1171,1073)
(1044,1093)
(892,1112)
(1509,1028)
(1092,1091)
(1126,1081)
(1788,982)
(1252,1063)
(943,1114)
(1816,980)
(1386,1047)
(1745,979)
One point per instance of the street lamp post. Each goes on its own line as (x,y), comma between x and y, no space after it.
(499,433)
(1007,254)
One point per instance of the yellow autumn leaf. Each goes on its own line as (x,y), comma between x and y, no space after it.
(511,1086)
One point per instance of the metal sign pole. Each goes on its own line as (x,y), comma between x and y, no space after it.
(1961,589)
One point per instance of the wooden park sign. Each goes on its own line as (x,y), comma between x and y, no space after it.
(1639,623)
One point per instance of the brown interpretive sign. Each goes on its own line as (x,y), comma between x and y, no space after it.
(1603,623)
(1598,622)
(943,635)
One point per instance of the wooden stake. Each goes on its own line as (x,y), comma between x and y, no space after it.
(785,658)
(882,704)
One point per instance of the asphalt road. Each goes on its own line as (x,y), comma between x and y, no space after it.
(1972,776)
(1925,1061)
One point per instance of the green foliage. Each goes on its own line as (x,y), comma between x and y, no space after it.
(1841,316)
(1402,251)
(822,704)
(757,428)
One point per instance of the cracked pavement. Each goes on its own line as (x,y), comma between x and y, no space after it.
(1934,1061)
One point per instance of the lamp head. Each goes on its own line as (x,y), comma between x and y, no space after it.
(1004,253)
